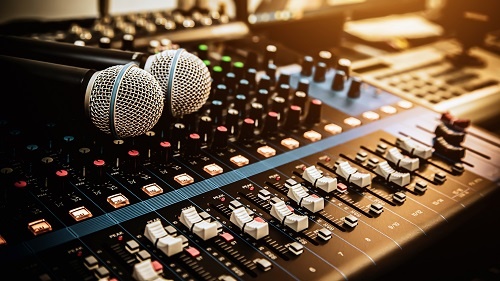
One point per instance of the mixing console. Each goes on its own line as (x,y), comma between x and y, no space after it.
(294,169)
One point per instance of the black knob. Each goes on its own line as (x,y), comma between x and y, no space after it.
(178,135)
(338,81)
(326,57)
(202,51)
(299,99)
(225,63)
(270,54)
(355,88)
(128,42)
(256,112)
(284,91)
(216,107)
(252,60)
(205,129)
(314,112)
(232,121)
(165,152)
(192,147)
(98,171)
(217,75)
(344,65)
(262,97)
(238,70)
(104,42)
(292,121)
(251,76)
(264,82)
(270,127)
(307,66)
(220,139)
(284,78)
(278,106)
(303,85)
(85,158)
(60,184)
(243,88)
(133,161)
(320,72)
(230,81)
(221,94)
(240,104)
(247,134)
(148,143)
(271,71)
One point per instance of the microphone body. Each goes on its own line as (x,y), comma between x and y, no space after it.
(122,101)
(183,77)
(68,54)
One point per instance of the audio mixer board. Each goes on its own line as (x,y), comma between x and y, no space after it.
(291,171)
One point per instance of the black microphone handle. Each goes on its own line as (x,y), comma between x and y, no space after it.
(34,89)
(68,54)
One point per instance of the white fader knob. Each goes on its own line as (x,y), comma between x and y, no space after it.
(192,220)
(255,227)
(168,244)
(299,194)
(144,271)
(280,211)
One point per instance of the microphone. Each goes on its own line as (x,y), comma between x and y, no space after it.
(122,100)
(183,77)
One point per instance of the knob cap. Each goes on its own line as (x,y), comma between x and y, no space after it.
(247,134)
(292,121)
(314,112)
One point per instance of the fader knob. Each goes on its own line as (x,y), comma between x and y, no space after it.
(307,66)
(320,72)
(355,88)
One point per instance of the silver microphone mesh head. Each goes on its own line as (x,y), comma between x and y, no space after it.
(124,100)
(184,78)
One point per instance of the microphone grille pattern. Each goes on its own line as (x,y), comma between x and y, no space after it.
(184,78)
(125,101)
